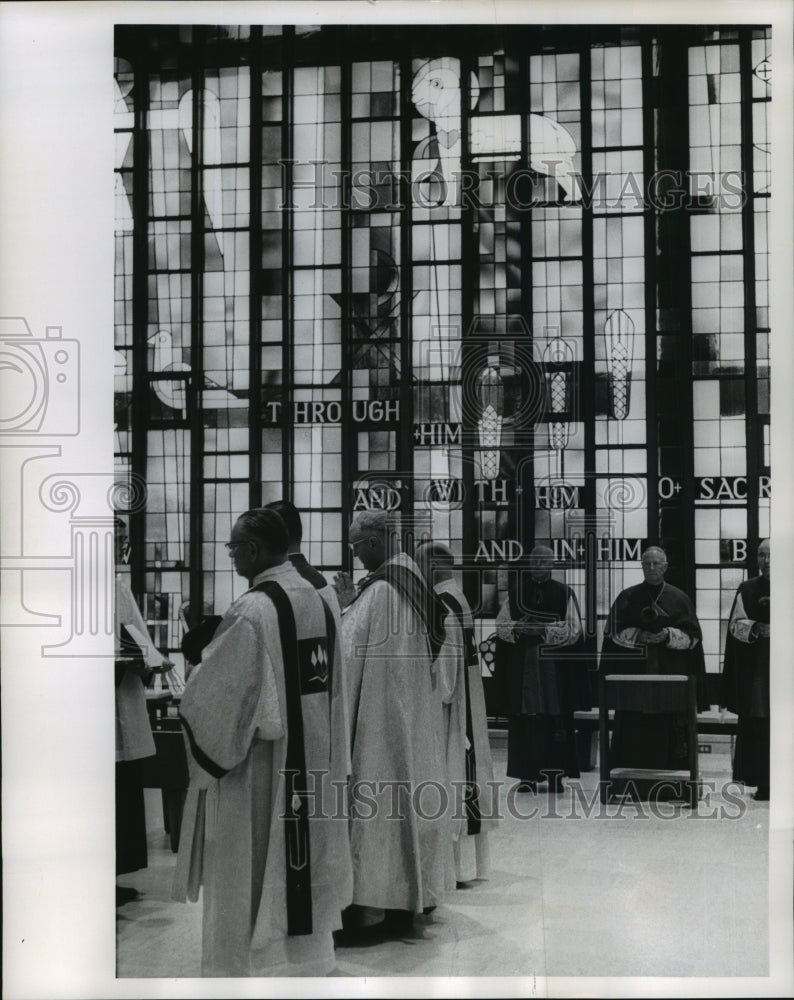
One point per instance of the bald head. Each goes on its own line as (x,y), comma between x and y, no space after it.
(435,560)
(654,565)
(541,561)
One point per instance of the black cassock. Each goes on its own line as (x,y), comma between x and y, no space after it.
(746,687)
(540,686)
(657,739)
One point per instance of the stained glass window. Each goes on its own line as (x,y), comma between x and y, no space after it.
(728,373)
(508,281)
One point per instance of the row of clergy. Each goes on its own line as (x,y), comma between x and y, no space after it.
(305,690)
(325,725)
(542,675)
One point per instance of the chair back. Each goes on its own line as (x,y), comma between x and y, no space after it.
(650,693)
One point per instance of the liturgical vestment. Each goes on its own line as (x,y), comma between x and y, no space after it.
(652,739)
(543,679)
(328,594)
(464,726)
(398,836)
(262,833)
(746,681)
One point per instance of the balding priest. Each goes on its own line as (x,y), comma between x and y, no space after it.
(653,629)
(398,828)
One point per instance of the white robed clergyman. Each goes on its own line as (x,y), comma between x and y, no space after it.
(399,841)
(293,522)
(464,723)
(262,710)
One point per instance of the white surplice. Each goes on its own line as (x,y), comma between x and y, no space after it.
(470,852)
(398,832)
(233,839)
(134,738)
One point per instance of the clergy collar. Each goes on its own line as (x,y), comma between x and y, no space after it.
(273,573)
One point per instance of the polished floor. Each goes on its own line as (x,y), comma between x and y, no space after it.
(625,891)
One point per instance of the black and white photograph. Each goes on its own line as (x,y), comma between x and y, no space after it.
(388,391)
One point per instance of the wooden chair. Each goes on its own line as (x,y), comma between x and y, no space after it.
(649,693)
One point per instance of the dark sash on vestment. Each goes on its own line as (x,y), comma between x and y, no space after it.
(308,669)
(471,797)
(422,599)
(301,676)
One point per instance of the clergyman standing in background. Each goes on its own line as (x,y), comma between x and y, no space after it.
(398,840)
(653,629)
(746,676)
(137,659)
(544,679)
(464,719)
(291,517)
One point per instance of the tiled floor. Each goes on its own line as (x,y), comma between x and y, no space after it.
(621,892)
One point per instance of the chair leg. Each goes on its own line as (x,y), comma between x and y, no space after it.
(175,799)
(164,796)
(603,738)
(694,784)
